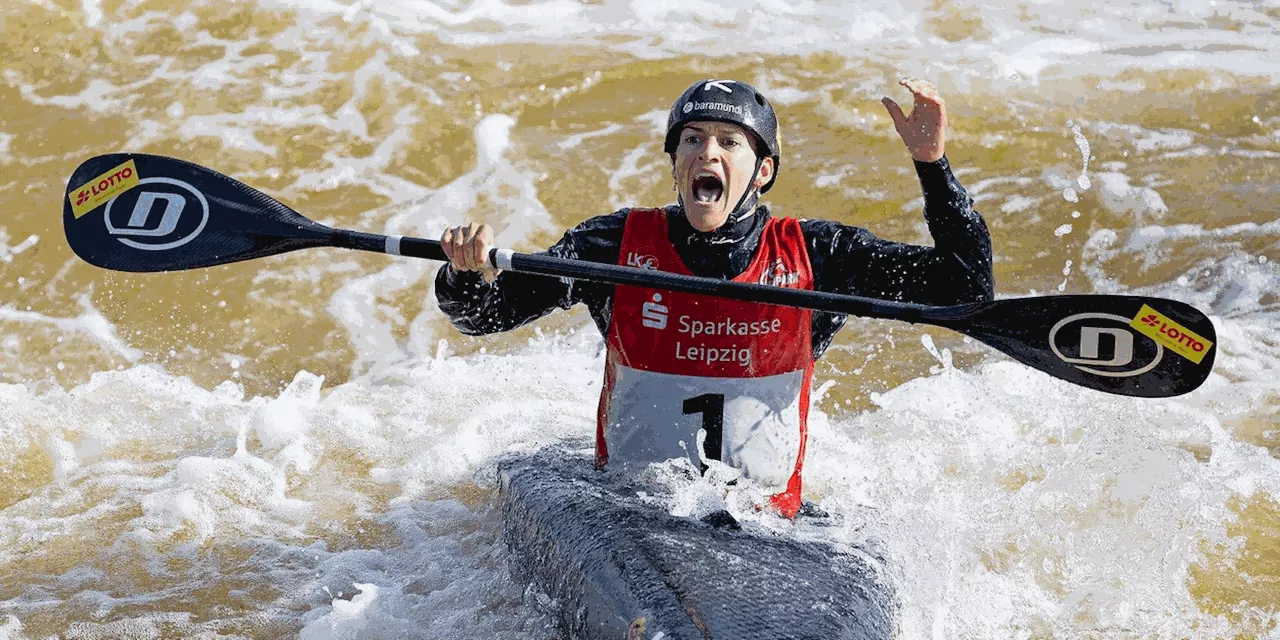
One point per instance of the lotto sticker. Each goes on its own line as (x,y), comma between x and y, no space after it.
(98,191)
(1176,337)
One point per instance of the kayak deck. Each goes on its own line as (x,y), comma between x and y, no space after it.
(621,569)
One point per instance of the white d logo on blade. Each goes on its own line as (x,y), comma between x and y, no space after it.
(171,213)
(1090,345)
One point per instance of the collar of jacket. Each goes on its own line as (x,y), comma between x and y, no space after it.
(722,253)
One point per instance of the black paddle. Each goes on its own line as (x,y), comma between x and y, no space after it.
(137,212)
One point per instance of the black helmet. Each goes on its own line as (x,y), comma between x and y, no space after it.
(727,101)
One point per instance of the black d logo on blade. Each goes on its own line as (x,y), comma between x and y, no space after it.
(1105,343)
(158,214)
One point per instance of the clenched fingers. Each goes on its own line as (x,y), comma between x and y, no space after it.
(467,248)
(478,240)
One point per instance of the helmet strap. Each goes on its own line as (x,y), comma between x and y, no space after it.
(737,214)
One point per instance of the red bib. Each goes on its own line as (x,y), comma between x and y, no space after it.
(680,363)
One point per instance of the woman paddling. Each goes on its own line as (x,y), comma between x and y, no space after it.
(739,372)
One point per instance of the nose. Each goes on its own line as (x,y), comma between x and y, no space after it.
(710,149)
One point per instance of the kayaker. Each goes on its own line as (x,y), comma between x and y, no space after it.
(738,372)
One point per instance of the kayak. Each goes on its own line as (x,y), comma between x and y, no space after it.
(618,567)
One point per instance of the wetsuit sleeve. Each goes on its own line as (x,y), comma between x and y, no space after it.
(476,307)
(957,269)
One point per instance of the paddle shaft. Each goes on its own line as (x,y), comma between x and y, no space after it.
(1128,345)
(615,274)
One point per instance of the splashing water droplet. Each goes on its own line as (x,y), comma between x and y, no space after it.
(1083,144)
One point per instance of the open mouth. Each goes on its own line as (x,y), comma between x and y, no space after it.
(707,188)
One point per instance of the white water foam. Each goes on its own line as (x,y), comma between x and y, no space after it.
(173,468)
(1225,35)
(518,215)
(8,253)
(90,324)
(996,509)
(1011,49)
(1150,243)
(1007,513)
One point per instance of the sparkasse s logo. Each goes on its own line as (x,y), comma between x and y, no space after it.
(654,314)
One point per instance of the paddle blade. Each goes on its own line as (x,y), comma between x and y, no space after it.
(138,212)
(1127,345)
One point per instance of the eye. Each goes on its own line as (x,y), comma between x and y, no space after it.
(691,138)
(731,143)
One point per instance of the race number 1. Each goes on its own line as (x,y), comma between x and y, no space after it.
(711,406)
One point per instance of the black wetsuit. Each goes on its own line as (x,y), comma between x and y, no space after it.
(845,259)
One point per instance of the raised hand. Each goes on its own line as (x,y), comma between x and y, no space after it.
(925,130)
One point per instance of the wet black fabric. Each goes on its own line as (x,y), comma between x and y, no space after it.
(845,259)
